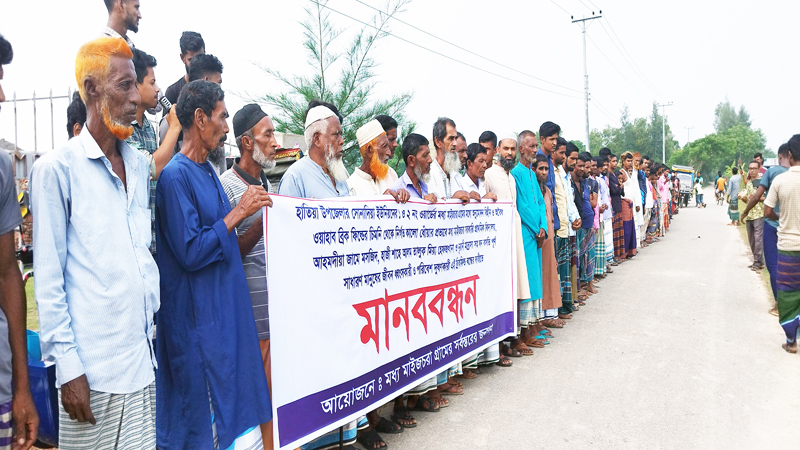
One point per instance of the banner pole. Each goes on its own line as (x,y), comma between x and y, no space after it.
(341,437)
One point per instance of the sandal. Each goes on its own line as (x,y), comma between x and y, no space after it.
(789,349)
(419,407)
(385,426)
(508,351)
(535,343)
(526,351)
(402,414)
(504,361)
(451,389)
(369,438)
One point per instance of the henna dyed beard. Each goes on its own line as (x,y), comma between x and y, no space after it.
(119,130)
(378,169)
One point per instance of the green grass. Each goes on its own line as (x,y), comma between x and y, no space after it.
(33,313)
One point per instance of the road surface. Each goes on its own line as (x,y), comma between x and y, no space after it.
(677,351)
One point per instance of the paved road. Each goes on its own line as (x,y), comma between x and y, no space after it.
(677,351)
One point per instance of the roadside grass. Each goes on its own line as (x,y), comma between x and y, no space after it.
(33,313)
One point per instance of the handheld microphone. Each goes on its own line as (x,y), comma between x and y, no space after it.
(165,103)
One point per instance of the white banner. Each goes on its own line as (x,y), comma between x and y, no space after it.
(368,298)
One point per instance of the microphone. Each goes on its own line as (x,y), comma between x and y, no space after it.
(165,103)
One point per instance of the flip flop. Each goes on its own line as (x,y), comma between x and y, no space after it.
(431,405)
(388,427)
(403,414)
(543,339)
(369,438)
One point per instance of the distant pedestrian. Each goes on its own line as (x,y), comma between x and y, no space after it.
(733,199)
(754,220)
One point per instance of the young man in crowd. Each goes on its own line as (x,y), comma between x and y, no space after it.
(754,220)
(144,137)
(191,44)
(733,196)
(566,241)
(93,263)
(488,140)
(123,16)
(785,190)
(255,137)
(19,421)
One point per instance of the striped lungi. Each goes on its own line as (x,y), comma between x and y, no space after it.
(619,236)
(586,254)
(608,239)
(600,251)
(563,261)
(6,429)
(526,314)
(124,421)
(652,225)
(788,278)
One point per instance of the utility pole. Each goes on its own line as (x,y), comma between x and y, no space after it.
(583,23)
(663,133)
(687,133)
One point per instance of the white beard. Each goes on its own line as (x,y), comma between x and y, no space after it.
(335,166)
(261,159)
(424,177)
(451,163)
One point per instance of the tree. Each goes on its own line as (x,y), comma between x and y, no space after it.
(726,117)
(714,152)
(350,89)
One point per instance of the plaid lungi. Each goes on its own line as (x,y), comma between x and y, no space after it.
(788,278)
(586,254)
(608,239)
(6,429)
(619,236)
(563,253)
(600,251)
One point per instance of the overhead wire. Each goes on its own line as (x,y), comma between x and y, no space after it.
(470,51)
(444,55)
(615,67)
(562,8)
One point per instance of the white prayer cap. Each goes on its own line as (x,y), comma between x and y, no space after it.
(318,113)
(368,132)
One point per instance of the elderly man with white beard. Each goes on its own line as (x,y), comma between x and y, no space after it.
(445,176)
(321,174)
(255,137)
(375,177)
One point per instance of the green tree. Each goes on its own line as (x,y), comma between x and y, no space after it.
(726,116)
(345,78)
(714,152)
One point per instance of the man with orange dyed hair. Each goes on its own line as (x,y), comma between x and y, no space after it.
(97,286)
(374,177)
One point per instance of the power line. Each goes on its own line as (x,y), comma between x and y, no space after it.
(562,8)
(597,106)
(615,67)
(470,51)
(631,60)
(443,55)
(609,114)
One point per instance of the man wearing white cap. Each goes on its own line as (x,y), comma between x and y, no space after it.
(374,177)
(321,174)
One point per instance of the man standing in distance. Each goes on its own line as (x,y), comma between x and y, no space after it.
(192,44)
(461,151)
(19,421)
(548,134)
(255,137)
(123,16)
(93,263)
(754,220)
(201,271)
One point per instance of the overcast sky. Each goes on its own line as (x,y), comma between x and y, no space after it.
(693,53)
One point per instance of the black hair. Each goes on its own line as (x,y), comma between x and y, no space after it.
(191,42)
(76,113)
(609,156)
(600,160)
(203,64)
(758,155)
(585,157)
(141,62)
(387,122)
(735,170)
(548,129)
(473,150)
(605,151)
(540,158)
(628,155)
(460,136)
(646,158)
(109,4)
(488,136)
(314,103)
(570,148)
(753,161)
(197,94)
(794,147)
(411,145)
(6,52)
(440,128)
(784,149)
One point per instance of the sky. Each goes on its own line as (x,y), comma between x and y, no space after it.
(690,53)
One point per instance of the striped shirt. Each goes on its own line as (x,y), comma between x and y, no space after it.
(235,182)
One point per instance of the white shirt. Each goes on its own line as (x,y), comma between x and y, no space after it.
(469,186)
(441,185)
(362,184)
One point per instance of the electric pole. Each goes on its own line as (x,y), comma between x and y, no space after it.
(687,133)
(663,133)
(583,23)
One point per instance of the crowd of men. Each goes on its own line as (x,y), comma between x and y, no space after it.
(131,225)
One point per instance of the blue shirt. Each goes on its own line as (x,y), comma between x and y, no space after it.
(96,281)
(405,182)
(306,179)
(551,183)
(207,340)
(585,204)
(766,181)
(572,210)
